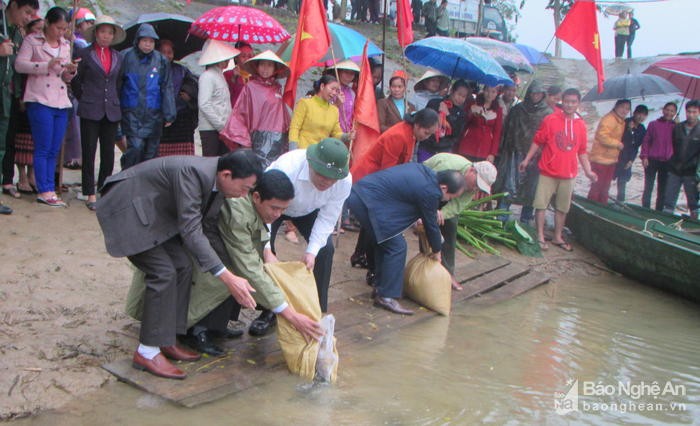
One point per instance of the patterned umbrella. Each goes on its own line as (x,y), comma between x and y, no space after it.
(239,23)
(458,59)
(682,71)
(347,44)
(505,54)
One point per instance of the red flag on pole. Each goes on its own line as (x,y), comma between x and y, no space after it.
(365,113)
(311,42)
(404,22)
(580,30)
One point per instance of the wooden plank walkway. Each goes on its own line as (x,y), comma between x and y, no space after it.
(252,361)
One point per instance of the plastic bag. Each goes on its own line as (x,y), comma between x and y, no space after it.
(327,360)
(426,281)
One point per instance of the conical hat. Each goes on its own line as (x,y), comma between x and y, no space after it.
(119,33)
(346,65)
(444,80)
(216,51)
(251,64)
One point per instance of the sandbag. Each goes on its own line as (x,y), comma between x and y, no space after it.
(299,288)
(426,281)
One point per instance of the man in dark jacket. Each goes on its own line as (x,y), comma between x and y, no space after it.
(684,162)
(387,203)
(632,139)
(147,97)
(14,17)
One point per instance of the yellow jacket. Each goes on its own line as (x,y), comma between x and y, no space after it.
(608,139)
(313,120)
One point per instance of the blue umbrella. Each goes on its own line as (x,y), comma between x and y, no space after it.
(533,55)
(458,59)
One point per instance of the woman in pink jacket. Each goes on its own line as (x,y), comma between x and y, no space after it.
(484,124)
(46,58)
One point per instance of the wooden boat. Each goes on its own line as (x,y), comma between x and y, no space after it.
(655,248)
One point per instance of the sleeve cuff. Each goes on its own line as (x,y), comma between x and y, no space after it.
(218,270)
(280,308)
(313,248)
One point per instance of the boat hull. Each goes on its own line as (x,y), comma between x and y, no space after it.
(661,261)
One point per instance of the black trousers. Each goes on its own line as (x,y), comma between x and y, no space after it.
(656,169)
(211,144)
(219,317)
(449,233)
(620,41)
(90,132)
(168,270)
(324,259)
(8,161)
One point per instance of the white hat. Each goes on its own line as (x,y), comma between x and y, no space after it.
(216,51)
(485,175)
(347,65)
(420,84)
(268,55)
(119,33)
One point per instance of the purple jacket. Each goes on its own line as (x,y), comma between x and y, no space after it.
(658,144)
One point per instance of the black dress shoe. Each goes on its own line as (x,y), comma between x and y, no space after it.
(391,305)
(201,342)
(229,333)
(371,278)
(5,210)
(263,323)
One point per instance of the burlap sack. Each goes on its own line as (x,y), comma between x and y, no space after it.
(299,288)
(426,281)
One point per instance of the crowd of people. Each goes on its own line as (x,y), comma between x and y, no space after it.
(214,219)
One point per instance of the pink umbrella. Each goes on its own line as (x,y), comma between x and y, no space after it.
(239,23)
(682,71)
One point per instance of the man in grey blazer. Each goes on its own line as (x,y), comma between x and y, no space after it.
(152,213)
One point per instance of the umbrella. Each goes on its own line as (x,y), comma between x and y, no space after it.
(168,26)
(534,56)
(458,59)
(347,44)
(239,23)
(616,9)
(631,86)
(505,54)
(683,71)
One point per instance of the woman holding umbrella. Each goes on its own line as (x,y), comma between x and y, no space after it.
(260,119)
(348,73)
(95,86)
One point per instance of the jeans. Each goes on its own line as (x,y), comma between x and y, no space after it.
(656,169)
(673,188)
(48,129)
(139,150)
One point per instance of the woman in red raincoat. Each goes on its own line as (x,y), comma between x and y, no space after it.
(260,119)
(484,123)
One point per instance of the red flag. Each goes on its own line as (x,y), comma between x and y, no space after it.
(404,22)
(366,117)
(311,42)
(580,31)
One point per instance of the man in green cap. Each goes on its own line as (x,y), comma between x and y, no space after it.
(322,182)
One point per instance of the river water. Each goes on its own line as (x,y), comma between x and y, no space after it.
(601,350)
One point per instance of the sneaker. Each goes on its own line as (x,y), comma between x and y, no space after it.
(52,202)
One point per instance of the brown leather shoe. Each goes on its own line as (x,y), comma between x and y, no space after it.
(178,353)
(391,305)
(158,366)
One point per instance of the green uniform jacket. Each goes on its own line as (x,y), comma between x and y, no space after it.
(8,77)
(447,161)
(244,235)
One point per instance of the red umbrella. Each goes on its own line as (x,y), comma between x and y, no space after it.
(682,71)
(239,23)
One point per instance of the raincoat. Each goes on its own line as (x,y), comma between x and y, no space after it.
(518,130)
(260,120)
(147,97)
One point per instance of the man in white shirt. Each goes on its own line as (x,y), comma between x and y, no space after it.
(322,182)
